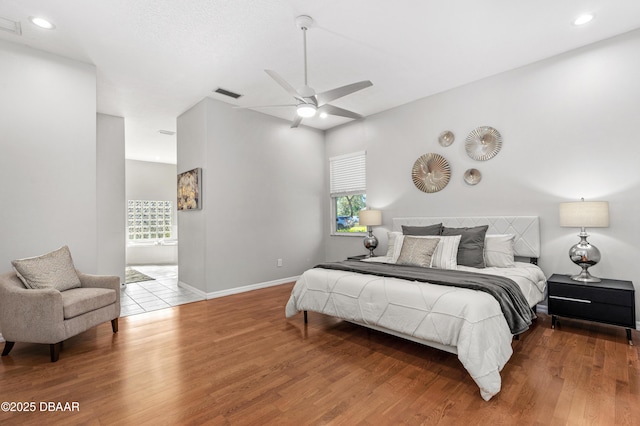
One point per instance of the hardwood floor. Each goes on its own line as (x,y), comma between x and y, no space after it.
(237,360)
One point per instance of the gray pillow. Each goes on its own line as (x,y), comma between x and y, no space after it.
(422,230)
(51,270)
(471,247)
(417,251)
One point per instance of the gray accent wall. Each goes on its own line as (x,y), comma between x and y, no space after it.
(569,126)
(263,197)
(48,156)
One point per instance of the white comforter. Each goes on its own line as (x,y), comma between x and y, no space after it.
(468,321)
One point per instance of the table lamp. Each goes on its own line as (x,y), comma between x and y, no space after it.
(370,218)
(584,214)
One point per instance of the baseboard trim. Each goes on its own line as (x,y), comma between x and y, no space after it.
(237,290)
(193,289)
(250,287)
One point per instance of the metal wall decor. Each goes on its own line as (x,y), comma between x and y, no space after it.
(472,176)
(431,173)
(446,138)
(483,143)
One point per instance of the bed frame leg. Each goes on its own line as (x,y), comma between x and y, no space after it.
(305,317)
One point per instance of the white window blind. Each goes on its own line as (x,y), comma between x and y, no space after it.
(348,174)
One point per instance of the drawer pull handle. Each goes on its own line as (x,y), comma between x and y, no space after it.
(570,299)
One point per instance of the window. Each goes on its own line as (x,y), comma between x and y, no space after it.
(348,189)
(149,220)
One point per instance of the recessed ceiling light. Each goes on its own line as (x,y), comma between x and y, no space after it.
(583,19)
(41,22)
(323,115)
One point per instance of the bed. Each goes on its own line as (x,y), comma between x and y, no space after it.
(462,314)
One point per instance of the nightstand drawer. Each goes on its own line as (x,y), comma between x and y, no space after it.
(589,293)
(593,311)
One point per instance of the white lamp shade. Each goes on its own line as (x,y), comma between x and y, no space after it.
(370,217)
(585,214)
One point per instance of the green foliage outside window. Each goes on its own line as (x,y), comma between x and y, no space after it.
(347,209)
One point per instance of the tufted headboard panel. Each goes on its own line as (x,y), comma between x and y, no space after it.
(525,228)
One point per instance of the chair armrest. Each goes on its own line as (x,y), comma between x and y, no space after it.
(99,281)
(28,315)
(102,281)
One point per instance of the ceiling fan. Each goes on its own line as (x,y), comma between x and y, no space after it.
(308,102)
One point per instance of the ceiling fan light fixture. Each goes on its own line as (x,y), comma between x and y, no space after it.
(306,110)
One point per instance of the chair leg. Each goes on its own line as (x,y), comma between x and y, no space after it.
(114,325)
(7,348)
(54,349)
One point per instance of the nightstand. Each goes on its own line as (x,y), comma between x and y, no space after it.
(609,301)
(358,257)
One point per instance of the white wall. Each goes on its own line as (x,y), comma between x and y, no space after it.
(48,156)
(147,180)
(569,127)
(263,187)
(110,195)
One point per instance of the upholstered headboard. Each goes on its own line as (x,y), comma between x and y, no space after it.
(525,228)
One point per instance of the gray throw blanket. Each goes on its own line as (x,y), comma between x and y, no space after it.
(514,305)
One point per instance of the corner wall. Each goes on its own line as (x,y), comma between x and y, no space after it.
(263,187)
(569,131)
(111,212)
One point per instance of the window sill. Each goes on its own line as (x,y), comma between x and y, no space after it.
(348,234)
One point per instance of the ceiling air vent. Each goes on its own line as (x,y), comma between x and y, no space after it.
(227,93)
(167,132)
(10,26)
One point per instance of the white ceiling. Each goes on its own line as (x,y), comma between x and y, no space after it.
(157,58)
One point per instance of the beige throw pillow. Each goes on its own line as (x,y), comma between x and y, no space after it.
(51,270)
(417,251)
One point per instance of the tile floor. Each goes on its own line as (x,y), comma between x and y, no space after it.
(162,293)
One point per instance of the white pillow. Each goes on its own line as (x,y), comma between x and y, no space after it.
(395,240)
(445,256)
(498,250)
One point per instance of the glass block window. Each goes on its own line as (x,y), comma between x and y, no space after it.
(149,220)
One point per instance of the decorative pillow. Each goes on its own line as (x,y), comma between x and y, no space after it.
(51,270)
(422,230)
(446,254)
(394,245)
(471,247)
(417,251)
(498,251)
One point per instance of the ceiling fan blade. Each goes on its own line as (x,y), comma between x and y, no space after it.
(330,95)
(286,86)
(296,122)
(264,106)
(334,110)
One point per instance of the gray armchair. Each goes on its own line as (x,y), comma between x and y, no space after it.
(50,316)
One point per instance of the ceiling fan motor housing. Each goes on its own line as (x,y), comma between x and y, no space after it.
(304,22)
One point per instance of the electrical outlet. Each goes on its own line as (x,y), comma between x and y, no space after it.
(279,263)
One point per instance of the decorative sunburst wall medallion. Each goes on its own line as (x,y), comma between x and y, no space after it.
(472,176)
(446,138)
(483,143)
(431,173)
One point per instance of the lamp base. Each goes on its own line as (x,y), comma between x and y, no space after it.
(584,255)
(370,242)
(585,277)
